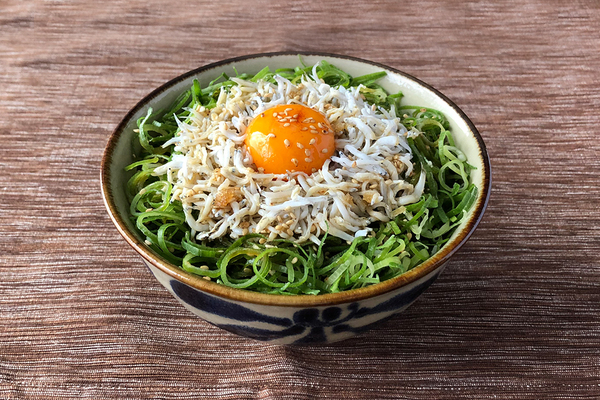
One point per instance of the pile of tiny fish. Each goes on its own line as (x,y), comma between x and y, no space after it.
(365,181)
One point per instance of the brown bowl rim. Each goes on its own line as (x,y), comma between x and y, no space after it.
(240,295)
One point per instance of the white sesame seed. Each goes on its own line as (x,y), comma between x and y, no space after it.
(308,160)
(312,141)
(313,131)
(288,109)
(204,267)
(275,114)
(287,143)
(312,127)
(307,152)
(286,124)
(206,278)
(304,128)
(295,162)
(295,116)
(299,145)
(324,151)
(294,260)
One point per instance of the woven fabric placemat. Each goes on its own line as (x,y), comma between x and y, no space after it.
(516,314)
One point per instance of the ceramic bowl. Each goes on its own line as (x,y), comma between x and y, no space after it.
(303,318)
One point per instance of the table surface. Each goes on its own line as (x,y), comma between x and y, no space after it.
(516,314)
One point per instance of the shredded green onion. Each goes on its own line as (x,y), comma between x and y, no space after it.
(282,266)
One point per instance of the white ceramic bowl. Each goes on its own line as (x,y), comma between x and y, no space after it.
(303,318)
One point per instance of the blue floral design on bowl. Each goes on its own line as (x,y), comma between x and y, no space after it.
(304,325)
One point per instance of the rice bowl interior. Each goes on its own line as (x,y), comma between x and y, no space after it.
(364,181)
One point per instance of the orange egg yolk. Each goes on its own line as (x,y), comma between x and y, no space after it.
(290,137)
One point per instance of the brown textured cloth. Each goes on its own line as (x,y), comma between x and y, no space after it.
(516,315)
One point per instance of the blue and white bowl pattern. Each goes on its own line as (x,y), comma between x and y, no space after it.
(295,325)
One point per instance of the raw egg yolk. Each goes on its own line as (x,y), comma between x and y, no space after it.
(290,137)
